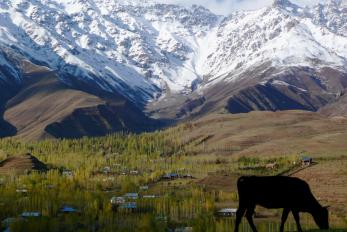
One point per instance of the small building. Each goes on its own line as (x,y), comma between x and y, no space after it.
(144,187)
(68,210)
(117,200)
(149,196)
(129,205)
(67,173)
(22,190)
(187,176)
(226,212)
(170,176)
(183,229)
(306,161)
(30,214)
(132,196)
(134,172)
(106,170)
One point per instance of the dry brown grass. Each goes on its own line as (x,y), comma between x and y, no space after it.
(42,101)
(269,133)
(278,134)
(328,182)
(21,164)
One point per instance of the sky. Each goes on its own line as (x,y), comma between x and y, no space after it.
(225,7)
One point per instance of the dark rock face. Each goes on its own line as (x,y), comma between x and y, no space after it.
(338,108)
(7,90)
(269,98)
(189,105)
(268,89)
(42,106)
(6,129)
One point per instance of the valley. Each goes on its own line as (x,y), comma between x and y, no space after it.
(97,169)
(141,116)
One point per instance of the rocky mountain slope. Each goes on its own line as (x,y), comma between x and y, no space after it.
(166,60)
(44,107)
(280,57)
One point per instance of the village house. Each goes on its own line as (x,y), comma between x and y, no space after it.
(129,206)
(134,172)
(68,210)
(144,187)
(149,196)
(226,212)
(106,170)
(306,161)
(170,176)
(117,200)
(187,176)
(67,173)
(22,190)
(133,196)
(30,214)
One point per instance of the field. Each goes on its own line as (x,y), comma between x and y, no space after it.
(207,155)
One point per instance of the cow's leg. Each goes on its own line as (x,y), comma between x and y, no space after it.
(249,216)
(297,219)
(239,214)
(284,218)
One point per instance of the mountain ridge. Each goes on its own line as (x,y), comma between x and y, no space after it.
(175,63)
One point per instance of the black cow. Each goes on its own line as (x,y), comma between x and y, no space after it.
(273,192)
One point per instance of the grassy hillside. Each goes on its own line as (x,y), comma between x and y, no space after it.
(267,133)
(215,151)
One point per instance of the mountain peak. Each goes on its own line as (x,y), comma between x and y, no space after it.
(284,3)
(341,3)
(144,49)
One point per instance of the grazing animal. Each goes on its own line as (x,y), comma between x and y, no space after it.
(273,192)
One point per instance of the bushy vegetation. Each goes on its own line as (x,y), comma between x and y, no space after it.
(100,168)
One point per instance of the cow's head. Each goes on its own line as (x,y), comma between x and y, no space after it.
(321,217)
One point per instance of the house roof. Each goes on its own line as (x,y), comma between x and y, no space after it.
(31,214)
(129,205)
(228,210)
(68,209)
(131,195)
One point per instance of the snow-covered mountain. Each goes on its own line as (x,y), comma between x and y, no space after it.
(284,35)
(143,49)
(178,61)
(134,48)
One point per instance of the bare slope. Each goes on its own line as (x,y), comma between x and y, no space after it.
(43,100)
(44,107)
(267,133)
(21,164)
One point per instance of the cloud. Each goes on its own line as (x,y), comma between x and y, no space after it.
(225,7)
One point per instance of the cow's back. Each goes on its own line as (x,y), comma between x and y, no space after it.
(275,192)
